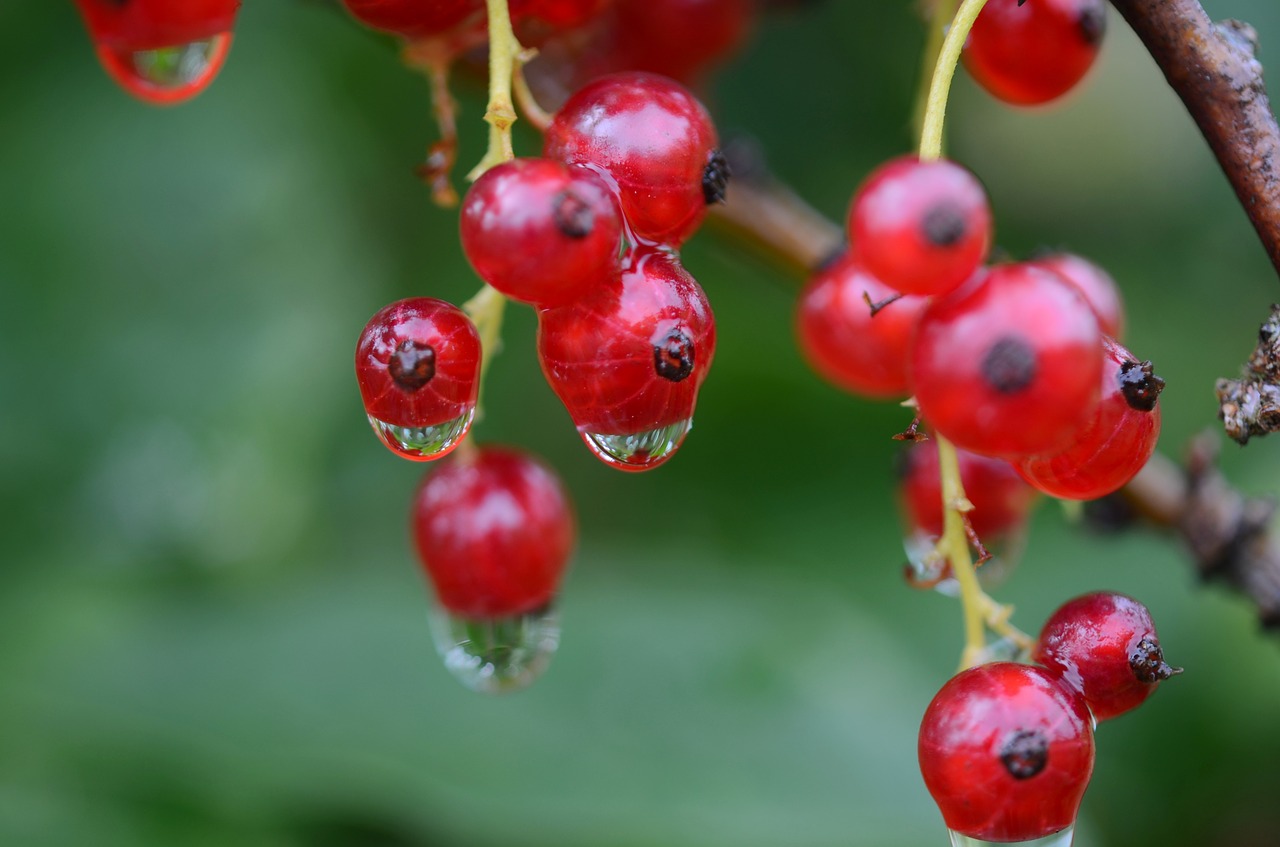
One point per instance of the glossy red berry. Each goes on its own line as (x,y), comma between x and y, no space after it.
(418,367)
(1115,444)
(542,232)
(627,362)
(494,530)
(921,227)
(1001,499)
(1008,364)
(159,51)
(846,343)
(1105,646)
(1097,286)
(1030,53)
(1006,751)
(654,140)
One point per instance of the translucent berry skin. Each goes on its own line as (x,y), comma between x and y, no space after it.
(1105,646)
(1008,364)
(494,531)
(848,346)
(152,24)
(921,227)
(542,232)
(1031,53)
(1113,446)
(608,357)
(653,139)
(1001,499)
(400,381)
(1097,286)
(1006,751)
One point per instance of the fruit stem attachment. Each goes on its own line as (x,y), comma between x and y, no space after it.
(529,106)
(944,70)
(955,545)
(485,310)
(504,53)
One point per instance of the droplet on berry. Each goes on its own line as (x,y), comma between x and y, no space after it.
(496,655)
(166,76)
(640,451)
(1062,838)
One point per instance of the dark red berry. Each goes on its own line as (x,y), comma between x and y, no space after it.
(1030,53)
(542,232)
(1097,286)
(845,342)
(1000,498)
(627,362)
(494,531)
(418,366)
(1105,646)
(652,138)
(1115,444)
(676,38)
(1008,364)
(416,19)
(1006,751)
(921,227)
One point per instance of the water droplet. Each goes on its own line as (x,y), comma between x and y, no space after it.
(167,75)
(640,451)
(497,656)
(423,443)
(1062,838)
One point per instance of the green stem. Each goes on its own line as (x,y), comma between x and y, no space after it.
(955,544)
(942,13)
(504,52)
(944,70)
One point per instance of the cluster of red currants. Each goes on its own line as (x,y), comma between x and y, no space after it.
(1007,749)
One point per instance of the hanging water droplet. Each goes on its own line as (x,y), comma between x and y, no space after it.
(423,443)
(640,451)
(497,656)
(1062,838)
(167,75)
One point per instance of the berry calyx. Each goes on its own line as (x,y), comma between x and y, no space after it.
(1006,751)
(1097,286)
(1105,646)
(1001,499)
(921,227)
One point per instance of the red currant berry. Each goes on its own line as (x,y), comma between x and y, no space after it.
(1001,500)
(159,51)
(536,20)
(627,362)
(1008,364)
(1006,751)
(921,227)
(542,232)
(1030,53)
(654,140)
(418,366)
(1105,646)
(677,38)
(1115,444)
(844,341)
(1097,286)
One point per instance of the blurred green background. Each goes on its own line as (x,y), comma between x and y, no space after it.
(212,630)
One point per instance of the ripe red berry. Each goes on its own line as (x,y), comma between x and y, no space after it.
(1030,53)
(1116,442)
(1000,498)
(418,367)
(921,227)
(415,19)
(1008,364)
(1006,751)
(1097,286)
(542,232)
(842,340)
(1105,646)
(654,140)
(159,51)
(627,361)
(494,531)
(677,38)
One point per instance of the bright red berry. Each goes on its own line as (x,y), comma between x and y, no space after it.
(1105,646)
(1008,364)
(1000,498)
(542,232)
(844,341)
(418,367)
(654,140)
(1030,53)
(1097,286)
(627,362)
(494,530)
(1006,751)
(921,227)
(1115,444)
